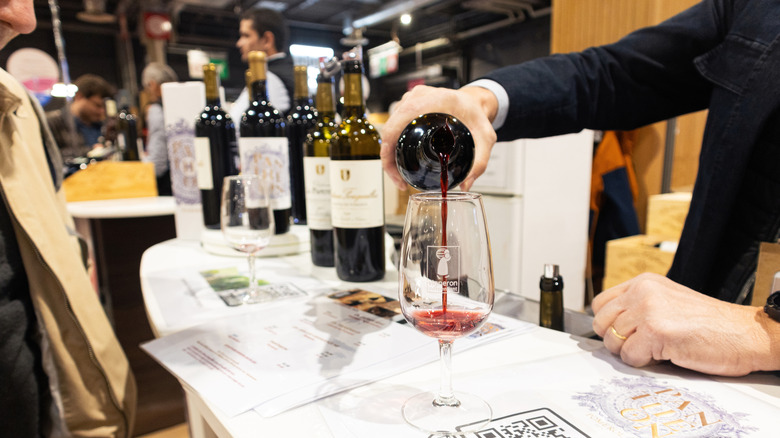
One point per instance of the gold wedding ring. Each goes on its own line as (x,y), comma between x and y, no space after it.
(617,335)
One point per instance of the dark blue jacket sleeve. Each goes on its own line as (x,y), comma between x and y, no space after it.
(647,76)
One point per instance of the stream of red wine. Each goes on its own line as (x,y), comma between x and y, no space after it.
(444,160)
(445,149)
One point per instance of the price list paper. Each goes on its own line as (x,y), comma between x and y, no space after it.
(278,358)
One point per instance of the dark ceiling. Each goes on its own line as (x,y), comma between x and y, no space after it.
(215,22)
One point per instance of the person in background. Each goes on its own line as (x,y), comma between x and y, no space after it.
(723,55)
(266,30)
(154,75)
(77,128)
(62,370)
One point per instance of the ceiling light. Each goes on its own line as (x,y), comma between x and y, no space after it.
(406,19)
(316,52)
(62,90)
(278,6)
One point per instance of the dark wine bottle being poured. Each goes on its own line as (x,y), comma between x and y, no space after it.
(434,149)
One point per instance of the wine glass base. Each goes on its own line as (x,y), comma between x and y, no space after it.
(470,415)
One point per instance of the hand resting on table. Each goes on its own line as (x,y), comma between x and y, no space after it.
(651,318)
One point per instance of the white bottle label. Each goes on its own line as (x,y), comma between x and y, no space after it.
(269,158)
(203,163)
(181,154)
(316,177)
(357,197)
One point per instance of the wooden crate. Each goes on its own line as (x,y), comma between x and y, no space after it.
(111,180)
(630,256)
(666,214)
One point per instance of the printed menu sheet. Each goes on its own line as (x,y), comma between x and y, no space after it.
(231,286)
(197,295)
(274,359)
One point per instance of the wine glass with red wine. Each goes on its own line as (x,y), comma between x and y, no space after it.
(247,221)
(446,292)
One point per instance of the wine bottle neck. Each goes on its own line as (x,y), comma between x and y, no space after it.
(257,66)
(324,99)
(301,86)
(353,92)
(212,93)
(259,91)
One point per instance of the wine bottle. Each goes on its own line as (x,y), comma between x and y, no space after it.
(356,182)
(263,145)
(127,135)
(434,149)
(127,139)
(108,132)
(301,118)
(551,298)
(215,139)
(316,165)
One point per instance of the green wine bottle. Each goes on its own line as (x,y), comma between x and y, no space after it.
(301,119)
(316,174)
(356,182)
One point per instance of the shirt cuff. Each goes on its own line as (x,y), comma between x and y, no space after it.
(501,96)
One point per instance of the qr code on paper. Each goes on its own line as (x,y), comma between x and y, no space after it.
(538,423)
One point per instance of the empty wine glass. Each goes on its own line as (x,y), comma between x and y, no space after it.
(247,221)
(446,291)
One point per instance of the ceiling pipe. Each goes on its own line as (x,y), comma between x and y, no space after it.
(439,42)
(389,12)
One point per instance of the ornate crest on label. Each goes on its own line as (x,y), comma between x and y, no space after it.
(650,408)
(181,153)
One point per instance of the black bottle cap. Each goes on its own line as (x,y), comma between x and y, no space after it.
(352,66)
(551,280)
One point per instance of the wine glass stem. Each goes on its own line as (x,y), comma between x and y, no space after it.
(252,278)
(446,396)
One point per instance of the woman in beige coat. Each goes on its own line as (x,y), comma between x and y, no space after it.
(67,374)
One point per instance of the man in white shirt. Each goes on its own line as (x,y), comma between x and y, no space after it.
(266,30)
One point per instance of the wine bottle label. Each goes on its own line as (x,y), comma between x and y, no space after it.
(203,163)
(121,142)
(269,158)
(357,199)
(316,177)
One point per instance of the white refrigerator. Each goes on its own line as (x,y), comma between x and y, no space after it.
(537,201)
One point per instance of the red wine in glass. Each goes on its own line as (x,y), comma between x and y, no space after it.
(447,324)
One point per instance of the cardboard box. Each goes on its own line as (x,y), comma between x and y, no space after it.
(630,256)
(666,214)
(111,180)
